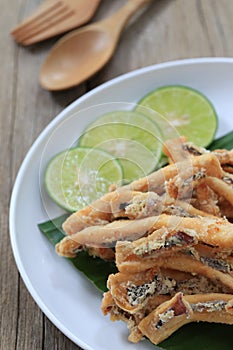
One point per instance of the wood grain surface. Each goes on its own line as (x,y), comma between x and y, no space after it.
(167,30)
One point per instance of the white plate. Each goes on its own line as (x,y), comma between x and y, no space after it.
(63,294)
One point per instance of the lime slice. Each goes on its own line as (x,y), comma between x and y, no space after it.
(78,176)
(181,110)
(131,137)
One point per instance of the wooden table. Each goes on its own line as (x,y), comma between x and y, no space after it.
(168,30)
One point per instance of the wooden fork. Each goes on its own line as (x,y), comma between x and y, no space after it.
(54,17)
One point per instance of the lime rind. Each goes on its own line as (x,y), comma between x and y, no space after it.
(77,177)
(181,110)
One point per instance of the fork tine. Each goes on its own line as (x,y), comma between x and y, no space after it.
(45,8)
(60,27)
(43,24)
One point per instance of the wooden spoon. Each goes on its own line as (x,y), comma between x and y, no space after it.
(81,53)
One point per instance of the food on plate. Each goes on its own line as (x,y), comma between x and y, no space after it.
(166,230)
(171,237)
(180,310)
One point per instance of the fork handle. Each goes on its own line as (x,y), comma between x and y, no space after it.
(118,20)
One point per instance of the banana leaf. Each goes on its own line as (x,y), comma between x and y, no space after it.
(201,336)
(225,142)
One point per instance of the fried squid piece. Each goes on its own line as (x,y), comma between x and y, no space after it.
(211,193)
(145,251)
(225,157)
(193,150)
(215,257)
(180,310)
(104,236)
(166,319)
(173,149)
(213,231)
(185,263)
(133,292)
(179,148)
(109,306)
(176,207)
(70,248)
(147,204)
(221,187)
(97,213)
(207,267)
(228,168)
(225,208)
(184,183)
(212,307)
(205,199)
(155,182)
(142,205)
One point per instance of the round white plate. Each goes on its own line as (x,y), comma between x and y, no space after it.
(64,295)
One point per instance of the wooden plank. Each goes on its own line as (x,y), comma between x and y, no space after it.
(9,281)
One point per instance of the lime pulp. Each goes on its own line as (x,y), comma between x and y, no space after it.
(181,111)
(131,137)
(77,177)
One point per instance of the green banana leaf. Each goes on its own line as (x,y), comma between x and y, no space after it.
(200,336)
(225,142)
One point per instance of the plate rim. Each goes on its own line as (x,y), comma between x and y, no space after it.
(50,126)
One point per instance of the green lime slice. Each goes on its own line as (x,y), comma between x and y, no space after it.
(78,176)
(181,110)
(131,137)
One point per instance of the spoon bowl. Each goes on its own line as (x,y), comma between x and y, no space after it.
(83,52)
(82,56)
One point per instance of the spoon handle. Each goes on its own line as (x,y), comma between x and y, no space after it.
(117,22)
